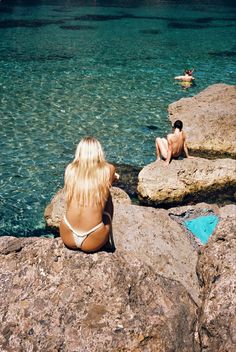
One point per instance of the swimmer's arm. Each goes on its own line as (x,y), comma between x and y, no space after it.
(179,77)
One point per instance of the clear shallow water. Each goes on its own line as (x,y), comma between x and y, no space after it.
(67,71)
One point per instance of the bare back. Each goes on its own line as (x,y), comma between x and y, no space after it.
(176,142)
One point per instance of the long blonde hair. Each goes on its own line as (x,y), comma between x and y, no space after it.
(87,178)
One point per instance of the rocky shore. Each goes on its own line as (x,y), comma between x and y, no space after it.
(161,290)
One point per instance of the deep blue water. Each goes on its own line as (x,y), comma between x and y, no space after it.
(103,68)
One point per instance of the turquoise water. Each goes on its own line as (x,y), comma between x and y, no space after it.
(69,69)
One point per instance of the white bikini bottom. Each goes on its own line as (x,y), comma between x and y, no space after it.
(80,237)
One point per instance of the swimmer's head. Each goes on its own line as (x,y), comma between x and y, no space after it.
(188,72)
(178,124)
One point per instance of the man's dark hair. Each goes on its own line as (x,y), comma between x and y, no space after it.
(188,72)
(178,124)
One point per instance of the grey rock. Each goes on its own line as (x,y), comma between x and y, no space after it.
(209,119)
(217,274)
(119,196)
(186,179)
(158,240)
(55,209)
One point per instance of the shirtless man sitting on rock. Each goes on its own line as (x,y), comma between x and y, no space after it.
(187,80)
(174,146)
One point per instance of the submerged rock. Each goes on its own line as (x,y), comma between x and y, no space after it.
(77,27)
(184,180)
(34,23)
(209,119)
(217,273)
(55,299)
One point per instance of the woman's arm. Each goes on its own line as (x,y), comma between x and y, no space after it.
(113,174)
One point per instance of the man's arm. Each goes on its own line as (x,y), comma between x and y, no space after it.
(186,149)
(169,150)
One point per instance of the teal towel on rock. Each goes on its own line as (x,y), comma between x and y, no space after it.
(202,227)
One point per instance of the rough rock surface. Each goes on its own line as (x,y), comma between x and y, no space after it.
(188,179)
(56,209)
(158,240)
(217,273)
(209,119)
(55,299)
(119,196)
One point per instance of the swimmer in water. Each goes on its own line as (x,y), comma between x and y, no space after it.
(187,79)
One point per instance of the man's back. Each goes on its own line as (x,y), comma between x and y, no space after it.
(176,143)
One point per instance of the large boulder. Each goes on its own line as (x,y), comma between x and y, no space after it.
(188,179)
(152,236)
(55,299)
(217,274)
(209,119)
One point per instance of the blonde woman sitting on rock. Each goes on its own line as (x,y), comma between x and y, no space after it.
(88,219)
